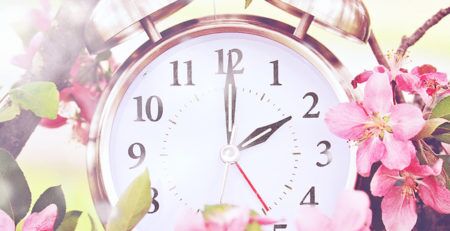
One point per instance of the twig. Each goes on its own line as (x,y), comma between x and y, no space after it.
(61,46)
(411,40)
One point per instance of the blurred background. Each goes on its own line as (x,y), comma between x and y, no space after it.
(52,157)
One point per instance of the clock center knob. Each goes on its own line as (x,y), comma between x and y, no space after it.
(229,154)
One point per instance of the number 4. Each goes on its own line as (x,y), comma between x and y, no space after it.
(312,197)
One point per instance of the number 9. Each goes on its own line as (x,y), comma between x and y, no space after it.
(133,155)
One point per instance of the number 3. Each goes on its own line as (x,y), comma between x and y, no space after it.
(325,152)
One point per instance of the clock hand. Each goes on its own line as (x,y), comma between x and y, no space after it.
(252,187)
(230,99)
(227,165)
(224,181)
(261,134)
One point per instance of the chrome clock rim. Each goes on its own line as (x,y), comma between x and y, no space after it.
(319,56)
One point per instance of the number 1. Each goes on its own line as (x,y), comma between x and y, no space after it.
(276,81)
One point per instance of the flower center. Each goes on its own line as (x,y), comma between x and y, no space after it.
(410,186)
(377,126)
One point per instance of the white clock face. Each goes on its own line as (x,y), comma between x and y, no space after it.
(229,118)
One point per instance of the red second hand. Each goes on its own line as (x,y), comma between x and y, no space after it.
(253,188)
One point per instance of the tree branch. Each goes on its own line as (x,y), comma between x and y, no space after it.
(411,40)
(59,50)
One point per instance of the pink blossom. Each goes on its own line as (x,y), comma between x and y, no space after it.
(400,189)
(220,218)
(352,213)
(41,221)
(430,80)
(424,80)
(381,128)
(24,60)
(6,223)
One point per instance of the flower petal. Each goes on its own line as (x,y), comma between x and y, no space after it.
(378,93)
(369,152)
(353,208)
(361,78)
(398,211)
(398,153)
(407,82)
(424,170)
(435,194)
(41,221)
(383,181)
(406,121)
(6,223)
(312,219)
(439,77)
(190,221)
(346,120)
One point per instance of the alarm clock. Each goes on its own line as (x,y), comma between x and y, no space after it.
(225,109)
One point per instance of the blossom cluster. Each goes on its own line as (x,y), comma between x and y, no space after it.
(385,130)
(88,76)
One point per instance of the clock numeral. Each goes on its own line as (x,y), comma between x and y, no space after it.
(311,194)
(188,73)
(148,108)
(326,152)
(276,81)
(315,98)
(231,64)
(133,155)
(155,204)
(279,226)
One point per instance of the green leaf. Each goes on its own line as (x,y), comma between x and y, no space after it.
(212,210)
(443,138)
(70,221)
(53,195)
(247,3)
(42,98)
(442,129)
(9,112)
(254,226)
(132,206)
(15,195)
(442,109)
(430,126)
(446,168)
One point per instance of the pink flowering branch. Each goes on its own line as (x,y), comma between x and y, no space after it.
(59,50)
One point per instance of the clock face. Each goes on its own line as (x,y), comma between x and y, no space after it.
(230,118)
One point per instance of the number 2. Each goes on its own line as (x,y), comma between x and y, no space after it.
(314,104)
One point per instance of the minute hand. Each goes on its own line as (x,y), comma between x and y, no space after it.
(261,134)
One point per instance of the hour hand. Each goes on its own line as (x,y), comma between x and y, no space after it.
(261,134)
